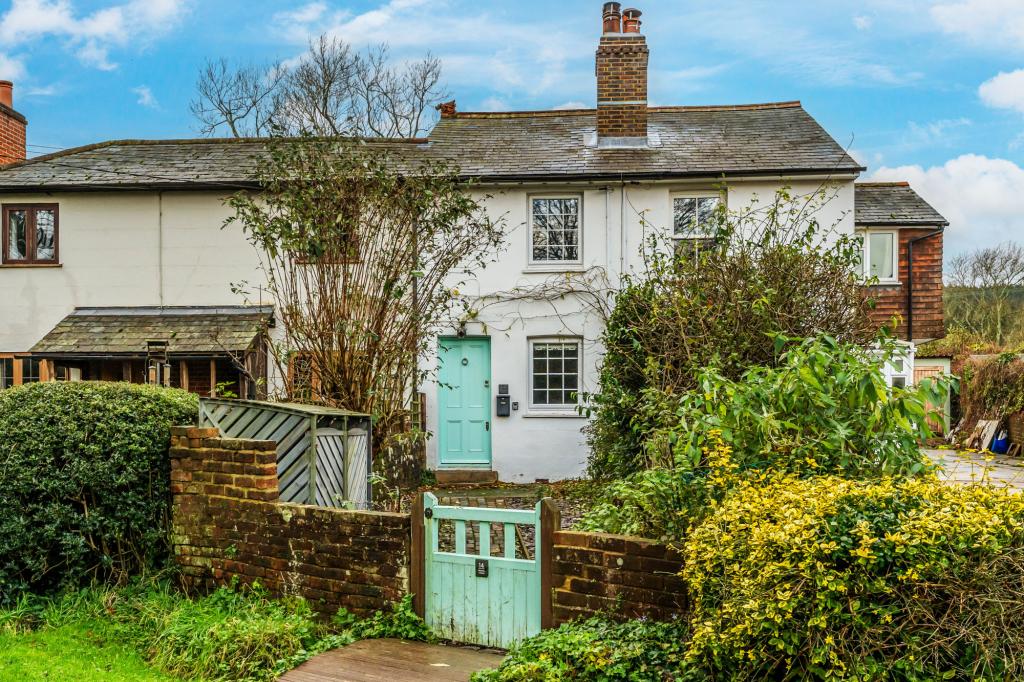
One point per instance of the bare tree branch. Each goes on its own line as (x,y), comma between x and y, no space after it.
(332,90)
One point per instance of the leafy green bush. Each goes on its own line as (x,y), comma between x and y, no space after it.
(828,578)
(401,623)
(823,408)
(722,306)
(235,633)
(597,649)
(84,478)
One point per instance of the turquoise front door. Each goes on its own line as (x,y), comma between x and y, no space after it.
(464,403)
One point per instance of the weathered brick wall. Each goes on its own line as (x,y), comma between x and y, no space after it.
(891,301)
(227,522)
(627,576)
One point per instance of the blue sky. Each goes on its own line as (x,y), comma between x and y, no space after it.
(931,91)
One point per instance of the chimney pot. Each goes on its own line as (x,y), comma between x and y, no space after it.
(612,17)
(447,109)
(7,94)
(631,20)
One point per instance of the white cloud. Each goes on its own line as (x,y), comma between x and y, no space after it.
(575,104)
(146,97)
(481,45)
(42,90)
(982,198)
(862,22)
(11,68)
(1005,91)
(998,23)
(786,41)
(935,133)
(90,36)
(494,104)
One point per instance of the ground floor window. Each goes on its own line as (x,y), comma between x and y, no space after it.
(6,372)
(555,374)
(30,370)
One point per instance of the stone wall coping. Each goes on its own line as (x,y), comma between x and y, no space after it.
(304,508)
(578,538)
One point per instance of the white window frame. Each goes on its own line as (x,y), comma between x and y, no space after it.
(866,255)
(534,410)
(555,265)
(691,194)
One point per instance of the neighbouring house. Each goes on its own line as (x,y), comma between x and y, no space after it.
(132,229)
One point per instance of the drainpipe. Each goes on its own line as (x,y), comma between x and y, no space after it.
(910,280)
(622,228)
(160,246)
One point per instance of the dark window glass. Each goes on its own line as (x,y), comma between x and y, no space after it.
(6,372)
(29,370)
(555,374)
(30,234)
(555,229)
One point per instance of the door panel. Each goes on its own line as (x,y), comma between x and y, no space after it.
(464,402)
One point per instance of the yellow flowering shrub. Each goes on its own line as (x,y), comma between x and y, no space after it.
(830,578)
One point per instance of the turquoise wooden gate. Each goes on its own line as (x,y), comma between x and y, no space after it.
(471,594)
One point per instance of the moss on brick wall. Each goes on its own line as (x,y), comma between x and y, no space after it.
(229,523)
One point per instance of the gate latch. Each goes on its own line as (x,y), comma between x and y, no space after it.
(481,568)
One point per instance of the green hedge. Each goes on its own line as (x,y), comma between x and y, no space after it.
(833,579)
(84,478)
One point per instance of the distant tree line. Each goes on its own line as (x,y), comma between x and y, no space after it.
(984,294)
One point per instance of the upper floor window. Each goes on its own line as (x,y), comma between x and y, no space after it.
(693,222)
(30,234)
(555,230)
(880,255)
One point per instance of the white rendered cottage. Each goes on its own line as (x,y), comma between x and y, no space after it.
(114,253)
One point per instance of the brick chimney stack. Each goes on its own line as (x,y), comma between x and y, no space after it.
(12,127)
(621,79)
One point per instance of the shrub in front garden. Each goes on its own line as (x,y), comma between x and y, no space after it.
(234,633)
(828,578)
(722,307)
(824,408)
(84,478)
(598,649)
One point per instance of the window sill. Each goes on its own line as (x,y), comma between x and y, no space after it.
(555,268)
(31,265)
(887,283)
(553,415)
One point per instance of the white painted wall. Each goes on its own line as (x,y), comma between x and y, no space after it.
(617,221)
(111,255)
(148,248)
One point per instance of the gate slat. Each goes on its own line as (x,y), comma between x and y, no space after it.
(510,541)
(485,539)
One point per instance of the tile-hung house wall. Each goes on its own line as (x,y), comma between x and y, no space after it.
(137,232)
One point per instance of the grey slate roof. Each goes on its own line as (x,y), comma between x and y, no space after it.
(685,141)
(767,139)
(228,163)
(892,203)
(127,331)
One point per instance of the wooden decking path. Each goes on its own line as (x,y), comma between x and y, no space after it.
(377,660)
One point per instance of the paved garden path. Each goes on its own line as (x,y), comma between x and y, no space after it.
(968,467)
(379,660)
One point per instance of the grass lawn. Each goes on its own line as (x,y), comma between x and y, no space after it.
(79,651)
